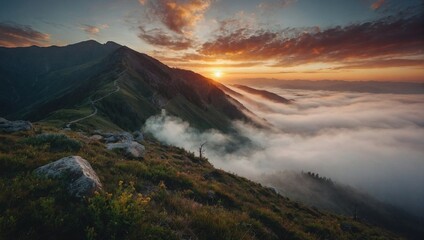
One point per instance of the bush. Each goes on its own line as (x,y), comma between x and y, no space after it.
(55,142)
(116,216)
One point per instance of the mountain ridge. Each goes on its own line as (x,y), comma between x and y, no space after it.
(188,95)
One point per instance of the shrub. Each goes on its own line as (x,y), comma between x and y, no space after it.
(115,216)
(55,142)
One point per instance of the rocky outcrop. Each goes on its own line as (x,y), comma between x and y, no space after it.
(138,136)
(79,176)
(131,148)
(96,137)
(117,137)
(14,126)
(127,142)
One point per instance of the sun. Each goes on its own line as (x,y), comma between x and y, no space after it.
(218,73)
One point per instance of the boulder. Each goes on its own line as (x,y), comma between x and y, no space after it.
(14,126)
(131,148)
(80,177)
(117,137)
(96,137)
(138,136)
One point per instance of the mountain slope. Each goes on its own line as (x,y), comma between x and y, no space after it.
(263,93)
(324,194)
(147,86)
(169,194)
(34,74)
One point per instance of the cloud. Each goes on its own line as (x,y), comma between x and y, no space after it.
(276,4)
(158,37)
(16,35)
(93,30)
(380,41)
(179,16)
(383,63)
(377,4)
(217,65)
(370,141)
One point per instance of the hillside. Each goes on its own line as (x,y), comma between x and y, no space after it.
(263,93)
(168,194)
(325,194)
(59,87)
(33,74)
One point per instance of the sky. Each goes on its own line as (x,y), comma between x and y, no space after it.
(379,40)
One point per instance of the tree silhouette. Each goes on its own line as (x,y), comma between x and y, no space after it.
(201,150)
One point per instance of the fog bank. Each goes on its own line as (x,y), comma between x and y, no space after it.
(374,142)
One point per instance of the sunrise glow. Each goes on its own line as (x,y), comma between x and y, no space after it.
(230,40)
(218,73)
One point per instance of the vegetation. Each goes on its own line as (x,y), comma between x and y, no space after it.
(170,194)
(320,192)
(54,142)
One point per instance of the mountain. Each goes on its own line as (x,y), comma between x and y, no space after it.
(324,194)
(57,82)
(263,93)
(74,93)
(35,74)
(168,194)
(337,85)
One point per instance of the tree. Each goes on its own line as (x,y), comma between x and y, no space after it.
(201,150)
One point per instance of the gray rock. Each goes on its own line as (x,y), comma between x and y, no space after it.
(81,179)
(96,137)
(14,126)
(117,137)
(138,136)
(131,148)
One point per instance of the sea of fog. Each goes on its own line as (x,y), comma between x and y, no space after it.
(374,142)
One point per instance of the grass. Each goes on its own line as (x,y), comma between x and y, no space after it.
(54,142)
(170,194)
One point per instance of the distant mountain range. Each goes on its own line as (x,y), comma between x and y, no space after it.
(263,93)
(39,83)
(336,85)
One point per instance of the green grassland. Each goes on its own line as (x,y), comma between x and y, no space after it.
(169,194)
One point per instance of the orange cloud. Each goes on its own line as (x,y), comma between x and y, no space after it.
(16,35)
(377,4)
(383,63)
(159,38)
(93,30)
(381,40)
(177,15)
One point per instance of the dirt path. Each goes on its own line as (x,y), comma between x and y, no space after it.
(93,105)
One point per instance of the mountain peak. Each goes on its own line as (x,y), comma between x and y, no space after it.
(94,43)
(112,43)
(90,42)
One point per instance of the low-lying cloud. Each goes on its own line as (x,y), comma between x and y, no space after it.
(371,141)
